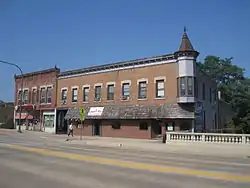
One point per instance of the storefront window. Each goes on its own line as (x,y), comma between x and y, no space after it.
(48,120)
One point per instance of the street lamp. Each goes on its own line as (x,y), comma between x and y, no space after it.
(20,105)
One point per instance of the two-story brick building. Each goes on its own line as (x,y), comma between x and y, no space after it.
(141,98)
(39,99)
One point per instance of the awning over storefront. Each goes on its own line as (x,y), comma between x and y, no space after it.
(30,107)
(25,107)
(167,111)
(23,116)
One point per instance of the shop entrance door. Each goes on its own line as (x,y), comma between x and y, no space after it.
(96,128)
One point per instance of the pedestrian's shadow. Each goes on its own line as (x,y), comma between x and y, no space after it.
(68,140)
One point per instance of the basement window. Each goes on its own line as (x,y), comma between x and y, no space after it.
(116,125)
(143,126)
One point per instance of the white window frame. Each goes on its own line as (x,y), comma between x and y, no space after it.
(125,96)
(47,94)
(98,98)
(19,98)
(25,97)
(84,93)
(110,94)
(64,97)
(74,96)
(160,89)
(139,83)
(34,91)
(41,96)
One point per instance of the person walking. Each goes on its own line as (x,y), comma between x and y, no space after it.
(70,129)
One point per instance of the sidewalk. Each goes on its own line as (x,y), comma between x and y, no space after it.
(208,149)
(182,148)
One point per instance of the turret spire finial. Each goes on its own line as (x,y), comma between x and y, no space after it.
(186,47)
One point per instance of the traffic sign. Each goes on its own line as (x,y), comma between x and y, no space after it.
(82,111)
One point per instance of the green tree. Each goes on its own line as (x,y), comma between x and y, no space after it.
(234,87)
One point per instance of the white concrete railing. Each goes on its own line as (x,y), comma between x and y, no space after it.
(30,128)
(208,137)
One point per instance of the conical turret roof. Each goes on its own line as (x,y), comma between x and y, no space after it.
(186,47)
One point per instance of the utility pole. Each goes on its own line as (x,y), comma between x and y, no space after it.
(21,94)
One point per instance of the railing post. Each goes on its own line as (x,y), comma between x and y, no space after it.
(168,136)
(243,141)
(192,137)
(203,137)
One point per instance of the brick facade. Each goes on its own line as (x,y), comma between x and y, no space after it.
(39,95)
(107,129)
(156,95)
(132,76)
(37,80)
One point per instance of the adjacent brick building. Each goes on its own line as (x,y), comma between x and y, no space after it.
(39,99)
(139,98)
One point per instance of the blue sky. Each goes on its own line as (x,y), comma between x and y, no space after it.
(39,34)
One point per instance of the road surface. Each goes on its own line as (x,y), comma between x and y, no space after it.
(28,162)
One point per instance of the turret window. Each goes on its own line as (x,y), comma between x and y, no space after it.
(185,86)
(182,86)
(190,84)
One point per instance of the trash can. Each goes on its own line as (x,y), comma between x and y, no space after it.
(164,138)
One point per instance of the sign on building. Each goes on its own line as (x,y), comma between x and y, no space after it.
(95,111)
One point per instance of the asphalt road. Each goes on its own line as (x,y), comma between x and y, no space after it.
(28,162)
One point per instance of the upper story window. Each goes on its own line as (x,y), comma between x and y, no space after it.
(98,93)
(64,96)
(49,94)
(185,86)
(34,96)
(196,88)
(125,91)
(190,84)
(210,95)
(214,95)
(110,92)
(25,96)
(74,95)
(19,95)
(142,90)
(203,91)
(43,95)
(85,94)
(160,89)
(182,86)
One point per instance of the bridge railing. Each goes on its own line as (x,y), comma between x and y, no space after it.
(208,137)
